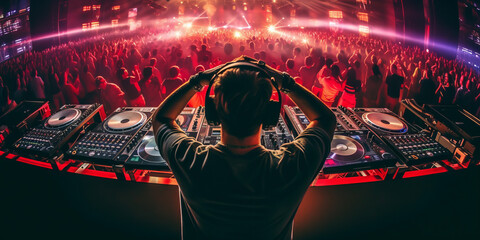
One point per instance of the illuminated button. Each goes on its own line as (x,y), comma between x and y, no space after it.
(329,162)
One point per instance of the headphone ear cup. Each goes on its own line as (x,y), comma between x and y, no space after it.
(211,112)
(271,114)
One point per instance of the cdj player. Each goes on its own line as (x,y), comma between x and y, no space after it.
(112,141)
(460,128)
(17,121)
(353,147)
(146,155)
(408,142)
(50,136)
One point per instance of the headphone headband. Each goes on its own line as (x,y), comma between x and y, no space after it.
(258,67)
(270,118)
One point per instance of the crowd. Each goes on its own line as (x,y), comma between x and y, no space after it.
(143,67)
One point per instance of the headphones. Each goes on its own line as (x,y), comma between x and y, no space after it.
(272,110)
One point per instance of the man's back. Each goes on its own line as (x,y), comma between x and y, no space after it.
(251,196)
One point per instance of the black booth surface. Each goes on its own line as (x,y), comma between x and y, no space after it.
(41,203)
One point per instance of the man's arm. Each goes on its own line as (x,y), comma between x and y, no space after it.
(173,105)
(314,109)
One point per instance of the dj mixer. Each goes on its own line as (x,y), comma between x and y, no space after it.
(271,138)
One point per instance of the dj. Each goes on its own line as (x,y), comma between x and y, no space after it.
(238,189)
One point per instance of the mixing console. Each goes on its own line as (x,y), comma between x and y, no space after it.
(418,148)
(270,138)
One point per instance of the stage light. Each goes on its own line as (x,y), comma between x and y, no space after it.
(177,34)
(271,28)
(362,16)
(428,50)
(237,34)
(363,31)
(188,25)
(210,28)
(335,14)
(304,40)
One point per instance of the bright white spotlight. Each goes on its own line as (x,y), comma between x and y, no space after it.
(178,34)
(271,28)
(188,25)
(305,40)
(210,28)
(237,34)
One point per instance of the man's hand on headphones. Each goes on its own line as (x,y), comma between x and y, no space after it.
(277,75)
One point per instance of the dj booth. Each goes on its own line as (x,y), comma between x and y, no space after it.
(79,173)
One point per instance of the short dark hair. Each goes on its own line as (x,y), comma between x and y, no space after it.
(329,62)
(308,61)
(120,73)
(228,48)
(290,63)
(376,70)
(99,80)
(173,71)
(147,72)
(241,98)
(335,70)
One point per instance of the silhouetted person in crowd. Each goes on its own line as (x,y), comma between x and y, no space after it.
(53,90)
(308,73)
(394,87)
(352,87)
(372,87)
(332,86)
(150,89)
(129,84)
(464,97)
(110,95)
(172,82)
(70,91)
(426,91)
(36,86)
(446,90)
